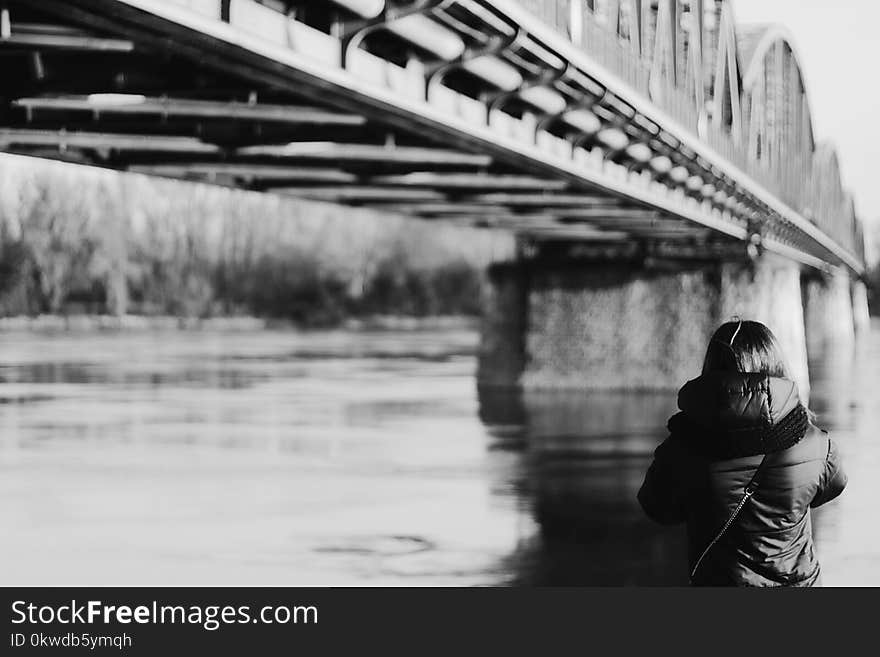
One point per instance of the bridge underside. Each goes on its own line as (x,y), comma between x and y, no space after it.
(121,94)
(236,93)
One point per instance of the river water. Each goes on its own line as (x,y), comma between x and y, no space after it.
(360,458)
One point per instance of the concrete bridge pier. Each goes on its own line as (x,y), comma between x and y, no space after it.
(769,291)
(829,314)
(861,313)
(502,353)
(629,324)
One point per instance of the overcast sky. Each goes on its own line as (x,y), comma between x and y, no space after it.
(839,53)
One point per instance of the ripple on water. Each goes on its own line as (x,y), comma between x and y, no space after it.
(383,546)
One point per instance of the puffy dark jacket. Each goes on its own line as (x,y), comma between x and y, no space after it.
(727,423)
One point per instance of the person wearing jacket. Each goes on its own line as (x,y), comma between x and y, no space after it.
(743,466)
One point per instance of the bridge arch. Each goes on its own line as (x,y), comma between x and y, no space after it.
(775,97)
(829,200)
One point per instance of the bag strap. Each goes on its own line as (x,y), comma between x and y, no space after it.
(749,490)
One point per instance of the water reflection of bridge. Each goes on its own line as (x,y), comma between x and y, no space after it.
(652,156)
(579,460)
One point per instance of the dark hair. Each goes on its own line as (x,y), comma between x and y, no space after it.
(744,346)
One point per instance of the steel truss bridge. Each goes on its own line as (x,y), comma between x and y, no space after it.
(618,121)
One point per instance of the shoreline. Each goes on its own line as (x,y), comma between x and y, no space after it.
(96,323)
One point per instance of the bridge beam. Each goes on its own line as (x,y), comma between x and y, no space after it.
(114,103)
(636,324)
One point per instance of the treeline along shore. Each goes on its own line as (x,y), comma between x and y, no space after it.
(78,240)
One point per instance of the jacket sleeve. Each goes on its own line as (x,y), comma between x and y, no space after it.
(663,494)
(833,479)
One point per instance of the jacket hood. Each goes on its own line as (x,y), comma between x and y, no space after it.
(730,414)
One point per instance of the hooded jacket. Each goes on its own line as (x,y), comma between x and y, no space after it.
(728,423)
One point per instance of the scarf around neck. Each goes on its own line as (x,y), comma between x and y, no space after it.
(728,415)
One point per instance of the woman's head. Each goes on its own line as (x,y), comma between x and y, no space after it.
(747,347)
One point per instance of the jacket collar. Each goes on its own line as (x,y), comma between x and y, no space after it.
(733,400)
(728,415)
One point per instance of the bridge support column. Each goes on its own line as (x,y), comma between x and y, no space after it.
(613,325)
(828,310)
(861,313)
(769,291)
(604,325)
(502,352)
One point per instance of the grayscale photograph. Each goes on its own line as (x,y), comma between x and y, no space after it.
(439,293)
